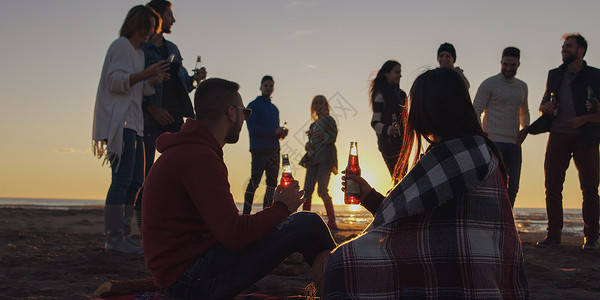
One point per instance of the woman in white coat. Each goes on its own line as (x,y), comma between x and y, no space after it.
(118,122)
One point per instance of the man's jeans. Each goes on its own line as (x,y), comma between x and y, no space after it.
(561,147)
(263,160)
(512,156)
(222,273)
(127,171)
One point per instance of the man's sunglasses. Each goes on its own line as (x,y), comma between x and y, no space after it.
(247,111)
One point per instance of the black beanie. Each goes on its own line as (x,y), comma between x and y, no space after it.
(447,47)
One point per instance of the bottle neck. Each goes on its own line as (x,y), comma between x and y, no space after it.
(353,160)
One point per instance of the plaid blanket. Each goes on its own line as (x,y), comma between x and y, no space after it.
(446,231)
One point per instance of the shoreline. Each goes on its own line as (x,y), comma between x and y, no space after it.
(59,254)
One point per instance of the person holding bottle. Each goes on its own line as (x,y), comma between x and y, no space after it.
(387,102)
(119,124)
(321,156)
(196,243)
(265,133)
(165,110)
(446,230)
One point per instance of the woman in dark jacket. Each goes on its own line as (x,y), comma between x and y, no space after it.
(387,101)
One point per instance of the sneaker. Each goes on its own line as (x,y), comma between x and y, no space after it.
(548,242)
(590,244)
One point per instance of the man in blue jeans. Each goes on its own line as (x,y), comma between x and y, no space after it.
(265,133)
(164,111)
(196,244)
(503,100)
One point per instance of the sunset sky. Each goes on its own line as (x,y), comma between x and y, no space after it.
(52,55)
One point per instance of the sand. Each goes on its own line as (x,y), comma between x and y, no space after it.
(58,254)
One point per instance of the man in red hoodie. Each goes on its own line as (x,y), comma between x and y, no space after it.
(196,244)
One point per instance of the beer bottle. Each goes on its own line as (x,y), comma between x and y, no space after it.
(396,125)
(592,100)
(553,100)
(286,174)
(196,70)
(351,196)
(284,129)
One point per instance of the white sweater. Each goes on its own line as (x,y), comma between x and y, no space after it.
(504,104)
(119,105)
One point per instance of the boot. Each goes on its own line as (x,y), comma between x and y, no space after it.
(127,218)
(330,213)
(113,226)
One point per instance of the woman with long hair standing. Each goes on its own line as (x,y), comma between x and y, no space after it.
(321,156)
(387,101)
(446,230)
(119,123)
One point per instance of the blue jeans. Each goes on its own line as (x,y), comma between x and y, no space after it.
(320,174)
(127,171)
(263,160)
(222,273)
(512,155)
(150,149)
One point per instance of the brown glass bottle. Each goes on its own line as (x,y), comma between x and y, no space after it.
(286,174)
(351,196)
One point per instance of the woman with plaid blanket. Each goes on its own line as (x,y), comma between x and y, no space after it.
(446,229)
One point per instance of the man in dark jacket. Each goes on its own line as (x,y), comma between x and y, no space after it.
(165,110)
(575,132)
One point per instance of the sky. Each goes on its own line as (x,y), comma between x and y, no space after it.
(52,55)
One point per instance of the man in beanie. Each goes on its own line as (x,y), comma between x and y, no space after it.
(503,100)
(446,56)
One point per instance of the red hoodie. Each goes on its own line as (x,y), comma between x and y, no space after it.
(188,208)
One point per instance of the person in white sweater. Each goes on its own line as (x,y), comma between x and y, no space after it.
(502,99)
(118,125)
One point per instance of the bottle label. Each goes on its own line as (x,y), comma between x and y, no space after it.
(352,188)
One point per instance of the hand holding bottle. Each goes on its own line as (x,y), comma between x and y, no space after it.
(199,75)
(158,72)
(290,196)
(365,187)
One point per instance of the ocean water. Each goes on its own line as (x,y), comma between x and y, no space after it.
(530,220)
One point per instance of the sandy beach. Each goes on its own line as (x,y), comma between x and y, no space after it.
(58,254)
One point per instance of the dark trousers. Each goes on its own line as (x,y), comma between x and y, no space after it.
(561,147)
(221,273)
(263,160)
(150,137)
(391,158)
(512,156)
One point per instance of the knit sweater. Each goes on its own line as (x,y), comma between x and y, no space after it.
(504,104)
(188,207)
(119,104)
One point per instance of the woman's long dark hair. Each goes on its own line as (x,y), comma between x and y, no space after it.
(440,106)
(380,81)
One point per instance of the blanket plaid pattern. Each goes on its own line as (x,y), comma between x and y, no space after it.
(445,232)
